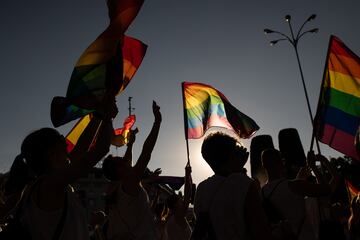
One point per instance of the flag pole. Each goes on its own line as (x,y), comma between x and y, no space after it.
(320,96)
(185,124)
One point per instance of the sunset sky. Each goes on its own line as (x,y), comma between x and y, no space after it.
(220,43)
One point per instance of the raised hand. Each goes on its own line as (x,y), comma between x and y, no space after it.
(132,137)
(156,112)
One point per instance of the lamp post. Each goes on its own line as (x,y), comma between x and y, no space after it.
(130,108)
(294,40)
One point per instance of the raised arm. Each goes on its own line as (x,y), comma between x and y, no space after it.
(187,189)
(149,143)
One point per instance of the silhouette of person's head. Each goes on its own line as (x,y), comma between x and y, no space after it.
(41,152)
(44,150)
(273,163)
(223,153)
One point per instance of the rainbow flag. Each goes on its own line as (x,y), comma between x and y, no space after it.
(64,110)
(99,69)
(133,54)
(121,135)
(338,115)
(206,107)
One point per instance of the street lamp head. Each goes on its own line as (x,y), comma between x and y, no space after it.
(288,18)
(314,30)
(312,17)
(266,31)
(272,43)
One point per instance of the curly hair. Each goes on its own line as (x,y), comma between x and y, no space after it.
(217,148)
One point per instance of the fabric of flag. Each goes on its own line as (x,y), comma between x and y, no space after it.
(75,133)
(121,135)
(133,54)
(206,107)
(353,192)
(338,115)
(99,69)
(357,141)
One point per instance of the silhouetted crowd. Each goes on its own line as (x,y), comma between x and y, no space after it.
(277,202)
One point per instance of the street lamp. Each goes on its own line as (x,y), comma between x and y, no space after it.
(294,40)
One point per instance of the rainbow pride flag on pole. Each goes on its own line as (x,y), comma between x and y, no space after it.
(206,107)
(99,69)
(121,135)
(338,115)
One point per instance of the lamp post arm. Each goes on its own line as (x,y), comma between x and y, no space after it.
(302,34)
(299,34)
(287,38)
(294,40)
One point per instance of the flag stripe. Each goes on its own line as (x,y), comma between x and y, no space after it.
(344,102)
(214,120)
(339,140)
(344,83)
(75,133)
(341,120)
(201,109)
(339,48)
(344,65)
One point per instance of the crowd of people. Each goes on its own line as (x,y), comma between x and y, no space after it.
(40,203)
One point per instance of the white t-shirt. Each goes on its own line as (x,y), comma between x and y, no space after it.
(131,217)
(42,224)
(225,197)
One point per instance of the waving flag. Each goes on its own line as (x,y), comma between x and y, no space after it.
(206,107)
(121,136)
(133,54)
(99,70)
(338,115)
